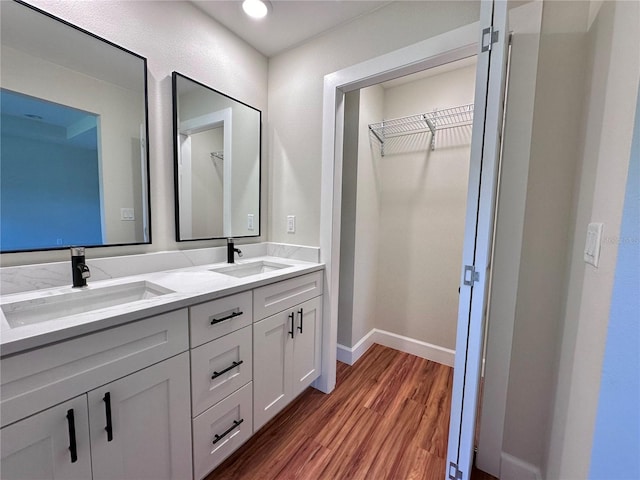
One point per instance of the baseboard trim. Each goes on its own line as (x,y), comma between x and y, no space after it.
(514,468)
(435,353)
(350,355)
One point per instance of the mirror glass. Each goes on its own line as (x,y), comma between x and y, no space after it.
(73,147)
(217,163)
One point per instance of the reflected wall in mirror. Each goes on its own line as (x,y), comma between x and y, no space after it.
(217,163)
(73,159)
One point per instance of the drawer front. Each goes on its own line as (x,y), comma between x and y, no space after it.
(219,368)
(219,431)
(274,298)
(214,319)
(35,380)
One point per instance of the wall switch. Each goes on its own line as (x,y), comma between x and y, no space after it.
(291,224)
(127,214)
(250,221)
(592,246)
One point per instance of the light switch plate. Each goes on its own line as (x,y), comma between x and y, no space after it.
(291,224)
(127,214)
(592,245)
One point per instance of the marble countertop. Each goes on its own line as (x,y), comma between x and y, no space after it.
(188,286)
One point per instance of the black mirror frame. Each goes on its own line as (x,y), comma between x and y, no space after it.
(174,90)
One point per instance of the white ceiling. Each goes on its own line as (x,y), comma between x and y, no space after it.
(289,23)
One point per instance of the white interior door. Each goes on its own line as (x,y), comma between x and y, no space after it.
(474,281)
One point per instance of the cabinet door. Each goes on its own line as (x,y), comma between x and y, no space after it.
(42,446)
(307,344)
(272,378)
(140,424)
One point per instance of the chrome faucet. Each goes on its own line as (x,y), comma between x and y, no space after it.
(79,269)
(231,250)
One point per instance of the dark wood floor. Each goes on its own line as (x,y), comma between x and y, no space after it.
(387,419)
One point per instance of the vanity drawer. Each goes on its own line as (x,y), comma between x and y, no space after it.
(274,298)
(219,317)
(229,359)
(35,380)
(219,431)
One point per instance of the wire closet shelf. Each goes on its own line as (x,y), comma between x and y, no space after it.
(453,117)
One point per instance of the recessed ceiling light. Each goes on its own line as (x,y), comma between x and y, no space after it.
(255,8)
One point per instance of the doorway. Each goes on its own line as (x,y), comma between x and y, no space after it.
(489,101)
(405,175)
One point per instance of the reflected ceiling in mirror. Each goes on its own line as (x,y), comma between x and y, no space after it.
(74,152)
(217,163)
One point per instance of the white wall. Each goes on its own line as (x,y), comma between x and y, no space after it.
(367,222)
(359,237)
(547,227)
(295,99)
(612,79)
(172,36)
(422,197)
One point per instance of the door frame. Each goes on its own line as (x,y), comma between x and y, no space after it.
(453,45)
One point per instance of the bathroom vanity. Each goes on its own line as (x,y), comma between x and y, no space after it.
(164,387)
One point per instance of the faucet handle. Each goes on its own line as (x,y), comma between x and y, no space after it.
(84,270)
(239,252)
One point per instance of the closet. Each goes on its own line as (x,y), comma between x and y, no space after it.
(405,178)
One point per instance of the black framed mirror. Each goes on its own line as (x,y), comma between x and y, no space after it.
(74,165)
(217,161)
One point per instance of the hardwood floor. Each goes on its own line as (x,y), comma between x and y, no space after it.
(387,419)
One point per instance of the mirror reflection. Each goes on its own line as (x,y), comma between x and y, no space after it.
(73,163)
(217,163)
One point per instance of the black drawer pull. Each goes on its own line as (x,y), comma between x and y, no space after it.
(231,367)
(293,328)
(301,313)
(217,438)
(72,436)
(228,317)
(107,412)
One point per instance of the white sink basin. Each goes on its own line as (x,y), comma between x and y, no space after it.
(50,307)
(241,270)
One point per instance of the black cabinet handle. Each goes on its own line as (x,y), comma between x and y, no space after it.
(291,317)
(232,366)
(228,317)
(107,412)
(217,438)
(301,313)
(72,436)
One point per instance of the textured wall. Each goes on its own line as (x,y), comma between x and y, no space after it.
(295,100)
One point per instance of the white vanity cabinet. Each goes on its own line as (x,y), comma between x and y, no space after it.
(147,412)
(287,344)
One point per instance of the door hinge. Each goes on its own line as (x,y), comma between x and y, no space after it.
(489,37)
(471,275)
(454,472)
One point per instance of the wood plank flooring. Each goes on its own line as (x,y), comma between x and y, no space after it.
(387,419)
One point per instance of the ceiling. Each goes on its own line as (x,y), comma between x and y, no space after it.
(289,23)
